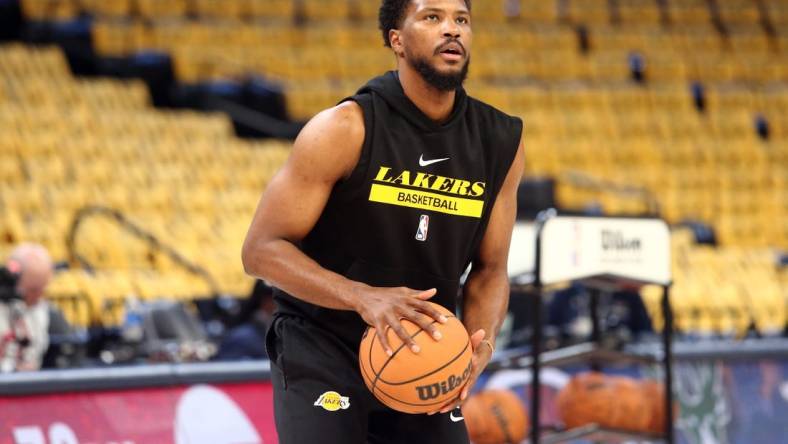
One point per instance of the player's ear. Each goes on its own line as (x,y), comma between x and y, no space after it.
(395,39)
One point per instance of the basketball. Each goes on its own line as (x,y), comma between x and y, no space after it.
(495,417)
(630,408)
(584,400)
(417,382)
(610,401)
(654,393)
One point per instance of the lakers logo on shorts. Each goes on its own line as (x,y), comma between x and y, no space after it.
(333,401)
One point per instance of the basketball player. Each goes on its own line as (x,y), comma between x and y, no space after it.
(384,202)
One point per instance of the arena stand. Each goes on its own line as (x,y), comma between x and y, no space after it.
(631,107)
(162,170)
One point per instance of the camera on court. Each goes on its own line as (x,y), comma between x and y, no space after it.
(8,280)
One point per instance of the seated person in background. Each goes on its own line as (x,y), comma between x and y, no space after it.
(247,339)
(511,9)
(622,314)
(24,313)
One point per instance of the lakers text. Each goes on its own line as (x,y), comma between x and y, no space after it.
(428,192)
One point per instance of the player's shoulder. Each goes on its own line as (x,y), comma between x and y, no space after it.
(486,108)
(345,116)
(335,133)
(344,122)
(492,115)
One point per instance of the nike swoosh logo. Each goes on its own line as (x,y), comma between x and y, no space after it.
(424,163)
(455,418)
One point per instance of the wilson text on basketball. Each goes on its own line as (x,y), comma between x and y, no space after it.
(434,390)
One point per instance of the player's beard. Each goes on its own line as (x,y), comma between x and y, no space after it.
(436,79)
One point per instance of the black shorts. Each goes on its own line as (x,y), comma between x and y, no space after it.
(320,397)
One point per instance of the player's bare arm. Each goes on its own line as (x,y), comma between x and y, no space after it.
(486,291)
(325,152)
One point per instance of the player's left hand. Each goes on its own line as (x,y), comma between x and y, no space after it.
(481,356)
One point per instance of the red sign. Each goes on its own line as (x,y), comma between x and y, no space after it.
(210,414)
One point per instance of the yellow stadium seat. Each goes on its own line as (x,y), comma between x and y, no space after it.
(319,10)
(108,8)
(363,10)
(538,12)
(222,9)
(689,12)
(157,9)
(738,12)
(272,9)
(641,12)
(589,11)
(49,9)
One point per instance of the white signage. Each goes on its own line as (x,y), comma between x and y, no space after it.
(574,248)
(522,250)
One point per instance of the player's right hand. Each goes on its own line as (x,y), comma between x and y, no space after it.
(384,308)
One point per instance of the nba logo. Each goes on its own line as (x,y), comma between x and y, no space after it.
(424,226)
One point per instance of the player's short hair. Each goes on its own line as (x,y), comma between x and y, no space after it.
(391,14)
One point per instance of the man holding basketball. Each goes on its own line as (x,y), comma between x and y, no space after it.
(385,201)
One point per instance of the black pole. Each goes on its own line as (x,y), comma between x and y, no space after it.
(536,337)
(667,338)
(536,346)
(596,335)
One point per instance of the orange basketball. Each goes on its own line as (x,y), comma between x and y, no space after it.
(654,393)
(610,401)
(584,400)
(630,409)
(417,382)
(495,417)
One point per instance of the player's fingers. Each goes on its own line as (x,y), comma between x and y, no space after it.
(426,323)
(451,405)
(425,294)
(475,371)
(477,337)
(467,387)
(447,407)
(380,331)
(406,339)
(430,310)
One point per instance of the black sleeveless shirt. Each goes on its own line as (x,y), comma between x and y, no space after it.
(415,208)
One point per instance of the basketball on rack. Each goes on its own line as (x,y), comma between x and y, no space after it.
(654,392)
(610,401)
(495,417)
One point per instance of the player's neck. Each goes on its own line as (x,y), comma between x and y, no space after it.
(435,104)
